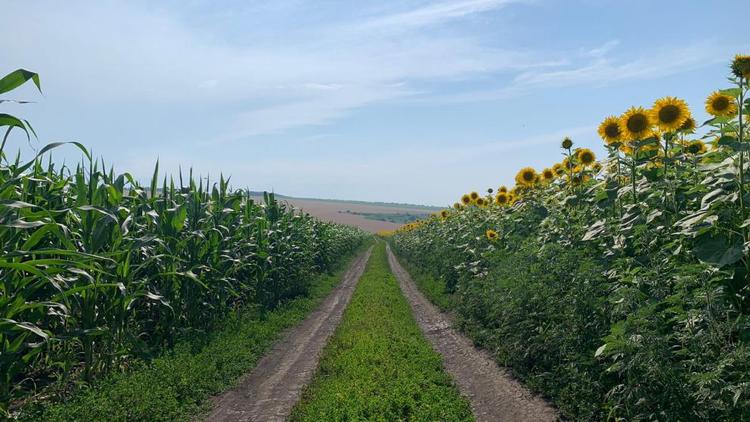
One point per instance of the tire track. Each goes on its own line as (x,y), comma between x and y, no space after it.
(274,386)
(492,391)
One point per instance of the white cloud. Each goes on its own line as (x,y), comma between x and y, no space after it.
(120,52)
(596,66)
(434,13)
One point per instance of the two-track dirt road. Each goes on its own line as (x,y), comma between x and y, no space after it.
(274,386)
(493,393)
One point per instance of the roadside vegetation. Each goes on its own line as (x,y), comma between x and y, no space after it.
(618,288)
(100,274)
(177,385)
(378,365)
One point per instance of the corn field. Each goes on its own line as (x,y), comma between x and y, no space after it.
(618,288)
(97,268)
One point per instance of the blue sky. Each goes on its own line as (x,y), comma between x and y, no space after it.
(405,101)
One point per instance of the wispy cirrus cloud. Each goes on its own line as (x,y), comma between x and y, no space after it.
(600,66)
(434,13)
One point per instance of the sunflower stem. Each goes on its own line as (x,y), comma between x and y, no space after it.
(632,174)
(742,157)
(616,153)
(667,138)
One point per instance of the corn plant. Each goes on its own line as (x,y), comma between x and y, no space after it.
(97,269)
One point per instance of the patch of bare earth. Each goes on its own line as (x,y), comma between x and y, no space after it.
(336,211)
(494,394)
(274,386)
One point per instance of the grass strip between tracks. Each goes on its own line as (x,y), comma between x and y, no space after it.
(378,365)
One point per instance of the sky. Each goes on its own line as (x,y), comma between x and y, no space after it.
(413,101)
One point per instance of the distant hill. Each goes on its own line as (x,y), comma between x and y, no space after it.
(429,208)
(370,216)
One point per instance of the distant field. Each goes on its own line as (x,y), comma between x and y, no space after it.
(370,216)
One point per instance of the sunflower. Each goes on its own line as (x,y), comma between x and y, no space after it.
(502,189)
(567,143)
(586,156)
(558,169)
(466,199)
(669,113)
(548,175)
(491,235)
(457,206)
(526,177)
(741,66)
(480,202)
(696,147)
(474,196)
(688,126)
(721,105)
(502,198)
(444,213)
(567,164)
(610,130)
(596,168)
(635,123)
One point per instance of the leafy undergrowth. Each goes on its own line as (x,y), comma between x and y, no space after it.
(378,366)
(433,288)
(177,385)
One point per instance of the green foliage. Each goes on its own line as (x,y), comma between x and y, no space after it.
(177,385)
(97,269)
(378,366)
(622,297)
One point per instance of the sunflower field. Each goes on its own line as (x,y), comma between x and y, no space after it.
(97,269)
(617,287)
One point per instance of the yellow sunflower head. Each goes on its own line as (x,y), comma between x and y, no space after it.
(502,189)
(669,113)
(610,130)
(688,126)
(696,147)
(457,206)
(635,123)
(721,105)
(597,168)
(567,164)
(491,235)
(558,169)
(502,198)
(741,66)
(474,196)
(444,213)
(526,177)
(466,199)
(586,156)
(567,143)
(548,175)
(480,202)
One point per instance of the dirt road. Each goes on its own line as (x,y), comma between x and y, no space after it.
(493,393)
(269,392)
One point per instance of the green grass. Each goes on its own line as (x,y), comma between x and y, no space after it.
(431,287)
(177,385)
(378,366)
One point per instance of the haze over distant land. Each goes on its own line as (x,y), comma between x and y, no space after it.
(406,101)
